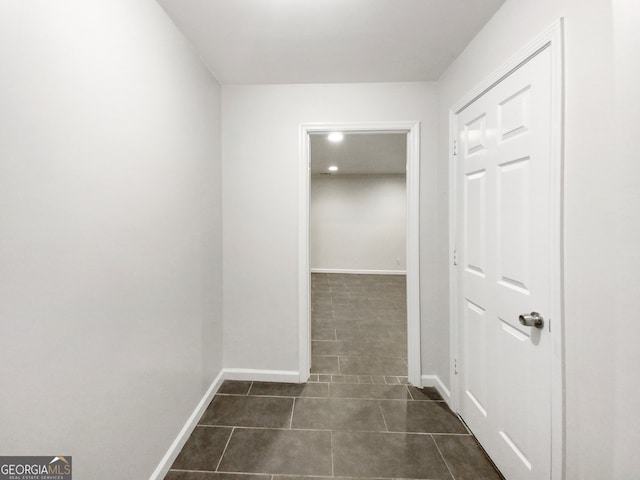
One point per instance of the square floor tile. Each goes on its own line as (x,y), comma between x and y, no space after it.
(373,366)
(350,333)
(390,455)
(465,458)
(248,411)
(420,417)
(337,414)
(378,379)
(284,452)
(378,333)
(323,347)
(234,387)
(323,333)
(290,389)
(377,391)
(321,298)
(425,393)
(366,347)
(203,449)
(323,322)
(326,365)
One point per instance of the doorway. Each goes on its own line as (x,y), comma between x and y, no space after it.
(357,251)
(411,131)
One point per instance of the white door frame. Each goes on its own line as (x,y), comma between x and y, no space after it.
(412,129)
(551,38)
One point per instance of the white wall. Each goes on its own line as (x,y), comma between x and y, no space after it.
(625,241)
(110,252)
(261,162)
(601,211)
(358,222)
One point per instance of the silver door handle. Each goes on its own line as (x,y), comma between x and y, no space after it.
(533,319)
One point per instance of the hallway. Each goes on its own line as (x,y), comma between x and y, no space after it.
(357,417)
(152,184)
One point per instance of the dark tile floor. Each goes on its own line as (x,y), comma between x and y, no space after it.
(356,418)
(359,328)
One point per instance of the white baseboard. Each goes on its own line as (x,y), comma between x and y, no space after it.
(358,272)
(286,376)
(434,381)
(174,450)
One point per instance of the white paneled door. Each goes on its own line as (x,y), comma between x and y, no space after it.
(504,241)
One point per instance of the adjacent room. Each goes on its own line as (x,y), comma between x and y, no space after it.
(357,256)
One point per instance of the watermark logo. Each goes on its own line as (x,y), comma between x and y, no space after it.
(35,468)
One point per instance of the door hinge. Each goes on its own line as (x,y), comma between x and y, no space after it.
(455,366)
(455,258)
(455,148)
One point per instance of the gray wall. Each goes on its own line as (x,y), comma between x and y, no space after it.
(601,261)
(261,162)
(358,222)
(110,251)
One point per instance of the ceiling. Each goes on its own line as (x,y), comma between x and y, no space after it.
(329,41)
(360,153)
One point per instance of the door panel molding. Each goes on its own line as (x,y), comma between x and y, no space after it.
(551,39)
(412,129)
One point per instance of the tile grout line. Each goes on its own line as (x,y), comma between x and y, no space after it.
(246,474)
(328,429)
(382,413)
(233,429)
(442,456)
(268,396)
(293,407)
(333,473)
(273,475)
(410,394)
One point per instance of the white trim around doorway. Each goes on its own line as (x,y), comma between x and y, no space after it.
(412,129)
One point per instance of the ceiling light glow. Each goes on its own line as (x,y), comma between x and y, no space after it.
(333,168)
(335,137)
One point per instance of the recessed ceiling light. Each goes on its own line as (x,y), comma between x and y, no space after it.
(335,136)
(333,168)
